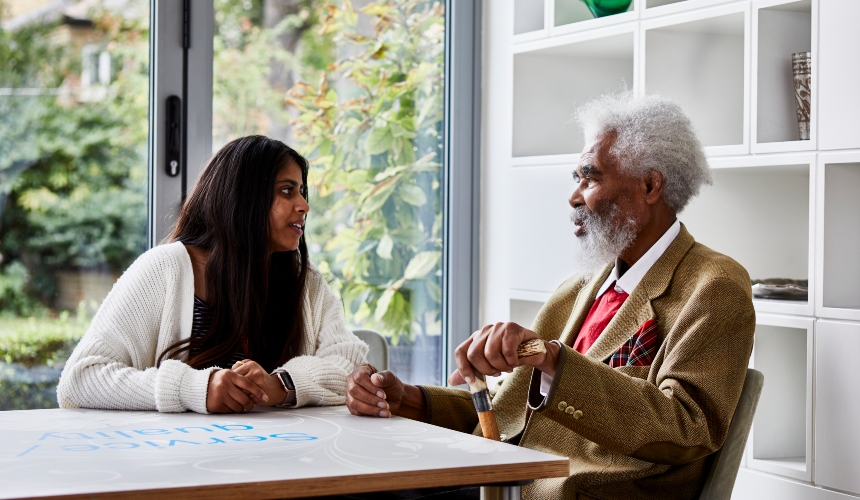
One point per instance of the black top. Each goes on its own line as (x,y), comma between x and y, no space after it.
(201,325)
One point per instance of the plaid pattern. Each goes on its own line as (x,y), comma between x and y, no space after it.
(640,349)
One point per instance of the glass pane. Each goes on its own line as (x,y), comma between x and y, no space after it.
(356,86)
(73,127)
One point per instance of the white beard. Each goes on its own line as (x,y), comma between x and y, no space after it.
(606,236)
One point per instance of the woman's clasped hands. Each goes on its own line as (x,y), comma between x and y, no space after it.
(240,388)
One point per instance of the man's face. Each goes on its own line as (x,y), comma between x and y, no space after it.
(607,205)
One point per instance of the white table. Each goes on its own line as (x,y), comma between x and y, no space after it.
(262,454)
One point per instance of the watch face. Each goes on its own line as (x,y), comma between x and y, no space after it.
(288,381)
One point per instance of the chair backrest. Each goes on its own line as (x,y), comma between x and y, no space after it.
(727,460)
(378,354)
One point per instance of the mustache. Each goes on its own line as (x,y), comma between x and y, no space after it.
(582,216)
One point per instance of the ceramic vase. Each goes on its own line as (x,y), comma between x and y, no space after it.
(801,66)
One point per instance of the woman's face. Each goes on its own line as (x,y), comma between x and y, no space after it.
(287,216)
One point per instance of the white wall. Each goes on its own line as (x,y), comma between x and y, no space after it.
(496,213)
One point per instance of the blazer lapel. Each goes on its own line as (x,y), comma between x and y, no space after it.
(637,308)
(582,306)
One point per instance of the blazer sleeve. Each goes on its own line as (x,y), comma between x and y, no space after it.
(685,414)
(453,408)
(320,378)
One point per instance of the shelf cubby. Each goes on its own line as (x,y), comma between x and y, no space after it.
(551,81)
(651,4)
(781,437)
(700,60)
(656,8)
(759,212)
(837,408)
(839,235)
(529,16)
(573,15)
(838,73)
(544,254)
(780,28)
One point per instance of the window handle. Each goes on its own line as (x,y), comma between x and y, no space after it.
(174,135)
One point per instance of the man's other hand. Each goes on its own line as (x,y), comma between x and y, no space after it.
(374,393)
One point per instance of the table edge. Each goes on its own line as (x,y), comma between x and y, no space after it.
(358,483)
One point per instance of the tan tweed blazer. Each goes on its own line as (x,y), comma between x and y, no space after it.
(641,432)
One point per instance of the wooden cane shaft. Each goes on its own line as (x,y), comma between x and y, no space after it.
(489,426)
(481,394)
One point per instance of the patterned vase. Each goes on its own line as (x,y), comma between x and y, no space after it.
(600,8)
(801,66)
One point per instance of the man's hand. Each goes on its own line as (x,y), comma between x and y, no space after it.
(230,392)
(382,394)
(493,350)
(273,391)
(369,392)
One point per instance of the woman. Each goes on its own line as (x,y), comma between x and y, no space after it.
(234,289)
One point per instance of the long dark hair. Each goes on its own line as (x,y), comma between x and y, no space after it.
(255,296)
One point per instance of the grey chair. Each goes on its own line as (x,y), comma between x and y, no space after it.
(378,354)
(727,460)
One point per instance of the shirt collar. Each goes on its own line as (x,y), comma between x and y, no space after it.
(634,275)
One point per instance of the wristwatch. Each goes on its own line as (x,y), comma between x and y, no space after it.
(289,388)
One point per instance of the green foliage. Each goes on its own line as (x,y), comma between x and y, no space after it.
(72,166)
(16,395)
(46,341)
(14,299)
(371,125)
(250,101)
(367,110)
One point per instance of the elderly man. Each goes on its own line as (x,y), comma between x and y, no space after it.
(646,353)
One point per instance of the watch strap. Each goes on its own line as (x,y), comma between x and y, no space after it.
(289,388)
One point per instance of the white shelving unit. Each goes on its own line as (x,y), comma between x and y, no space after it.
(837,406)
(701,60)
(838,236)
(781,206)
(545,219)
(784,27)
(766,218)
(548,85)
(779,442)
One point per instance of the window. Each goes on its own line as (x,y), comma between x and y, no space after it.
(357,87)
(73,178)
(365,89)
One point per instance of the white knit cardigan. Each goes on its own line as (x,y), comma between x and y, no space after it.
(151,306)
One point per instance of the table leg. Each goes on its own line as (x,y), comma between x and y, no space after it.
(505,492)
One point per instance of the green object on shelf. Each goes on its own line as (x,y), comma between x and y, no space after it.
(601,8)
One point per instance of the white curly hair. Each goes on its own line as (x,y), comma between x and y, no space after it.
(653,133)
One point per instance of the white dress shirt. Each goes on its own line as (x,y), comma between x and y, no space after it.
(630,279)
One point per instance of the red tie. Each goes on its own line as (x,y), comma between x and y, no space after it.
(599,316)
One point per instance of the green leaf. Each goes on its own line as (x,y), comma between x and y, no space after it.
(386,244)
(379,141)
(413,195)
(383,303)
(380,194)
(421,264)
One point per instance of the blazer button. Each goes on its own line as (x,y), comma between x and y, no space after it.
(569,410)
(577,414)
(562,406)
